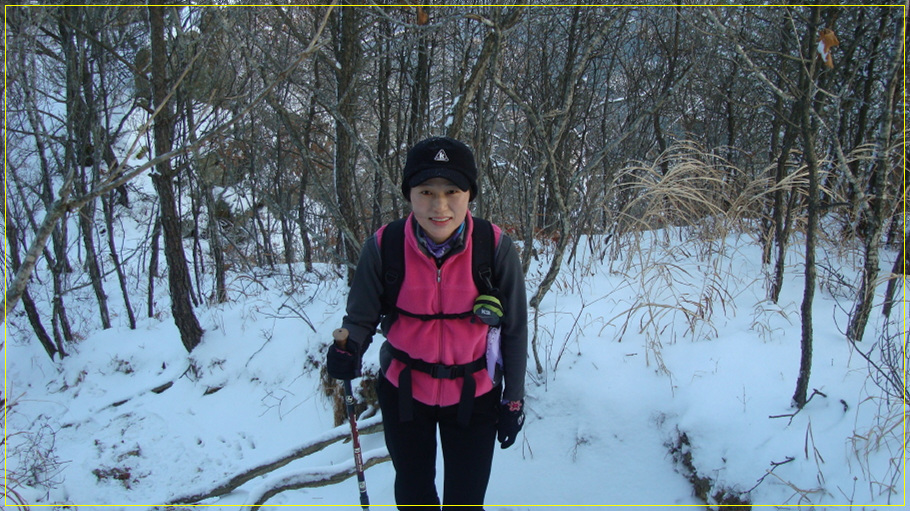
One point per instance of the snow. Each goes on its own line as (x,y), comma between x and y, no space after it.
(638,346)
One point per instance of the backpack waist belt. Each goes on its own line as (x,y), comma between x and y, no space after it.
(438,371)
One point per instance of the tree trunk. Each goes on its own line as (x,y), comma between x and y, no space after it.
(17,287)
(864,102)
(23,268)
(62,329)
(284,206)
(782,212)
(108,206)
(385,120)
(873,213)
(79,149)
(348,56)
(86,225)
(807,132)
(198,257)
(418,121)
(12,237)
(301,137)
(898,272)
(155,248)
(306,172)
(216,245)
(178,274)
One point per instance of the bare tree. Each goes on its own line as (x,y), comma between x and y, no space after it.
(808,128)
(81,115)
(492,46)
(163,178)
(12,237)
(874,211)
(347,27)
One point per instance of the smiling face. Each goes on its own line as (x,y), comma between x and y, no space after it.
(439,207)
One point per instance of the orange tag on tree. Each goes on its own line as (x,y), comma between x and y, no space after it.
(826,41)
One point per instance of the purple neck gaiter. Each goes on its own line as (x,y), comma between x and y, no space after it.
(440,249)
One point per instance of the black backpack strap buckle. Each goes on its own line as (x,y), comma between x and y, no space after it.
(443,372)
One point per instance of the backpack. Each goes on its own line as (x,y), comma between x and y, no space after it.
(483,250)
(392,254)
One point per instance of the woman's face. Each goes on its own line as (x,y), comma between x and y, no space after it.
(439,207)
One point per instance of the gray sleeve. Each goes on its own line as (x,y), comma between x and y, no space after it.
(514,332)
(362,311)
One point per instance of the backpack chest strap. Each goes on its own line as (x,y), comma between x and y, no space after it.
(431,317)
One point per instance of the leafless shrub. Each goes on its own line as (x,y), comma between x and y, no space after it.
(31,461)
(885,438)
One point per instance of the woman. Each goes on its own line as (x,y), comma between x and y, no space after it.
(455,354)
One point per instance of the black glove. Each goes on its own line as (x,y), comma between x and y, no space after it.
(341,363)
(511,419)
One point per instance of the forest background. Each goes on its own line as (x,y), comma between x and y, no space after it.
(274,138)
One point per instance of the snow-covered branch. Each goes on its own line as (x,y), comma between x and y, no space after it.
(371,425)
(321,476)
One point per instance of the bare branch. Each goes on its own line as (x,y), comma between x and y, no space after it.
(315,478)
(371,425)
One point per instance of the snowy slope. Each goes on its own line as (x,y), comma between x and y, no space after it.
(637,350)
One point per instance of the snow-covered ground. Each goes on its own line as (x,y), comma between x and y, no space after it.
(641,347)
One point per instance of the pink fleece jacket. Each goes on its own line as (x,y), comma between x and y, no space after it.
(448,289)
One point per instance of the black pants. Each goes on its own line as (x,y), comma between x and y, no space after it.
(467,451)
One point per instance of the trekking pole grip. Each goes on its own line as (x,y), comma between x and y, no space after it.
(341,337)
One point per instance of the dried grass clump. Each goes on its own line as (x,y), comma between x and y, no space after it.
(689,186)
(681,207)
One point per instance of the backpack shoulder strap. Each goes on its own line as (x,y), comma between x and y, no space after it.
(391,247)
(483,251)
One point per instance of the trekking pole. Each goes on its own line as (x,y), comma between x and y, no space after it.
(341,338)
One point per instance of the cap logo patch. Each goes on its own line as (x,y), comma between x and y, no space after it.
(441,156)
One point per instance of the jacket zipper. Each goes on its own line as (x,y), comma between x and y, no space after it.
(440,344)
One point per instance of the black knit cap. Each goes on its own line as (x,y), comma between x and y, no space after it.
(440,157)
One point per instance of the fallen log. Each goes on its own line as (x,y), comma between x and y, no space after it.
(371,425)
(313,478)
